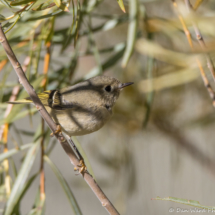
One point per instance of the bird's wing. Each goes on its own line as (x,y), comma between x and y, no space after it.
(51,98)
(55,100)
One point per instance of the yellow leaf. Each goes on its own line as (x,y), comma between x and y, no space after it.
(120,2)
(61,6)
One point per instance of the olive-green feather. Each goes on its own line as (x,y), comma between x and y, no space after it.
(44,97)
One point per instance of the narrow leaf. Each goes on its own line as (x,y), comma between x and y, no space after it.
(17,108)
(25,189)
(65,187)
(120,2)
(19,184)
(11,152)
(5,3)
(186,202)
(132,31)
(38,210)
(21,2)
(38,207)
(19,115)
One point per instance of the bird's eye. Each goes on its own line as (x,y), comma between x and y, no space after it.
(108,88)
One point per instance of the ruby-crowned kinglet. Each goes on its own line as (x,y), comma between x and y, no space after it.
(84,107)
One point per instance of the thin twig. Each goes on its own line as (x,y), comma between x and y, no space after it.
(46,64)
(13,96)
(203,75)
(3,63)
(42,173)
(44,83)
(197,4)
(6,162)
(4,130)
(201,41)
(23,80)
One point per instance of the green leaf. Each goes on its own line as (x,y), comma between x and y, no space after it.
(13,167)
(155,50)
(70,30)
(17,108)
(51,31)
(39,209)
(5,3)
(21,2)
(19,184)
(120,2)
(65,187)
(18,116)
(92,4)
(2,18)
(61,6)
(42,5)
(3,195)
(11,152)
(132,31)
(57,2)
(25,189)
(186,202)
(46,16)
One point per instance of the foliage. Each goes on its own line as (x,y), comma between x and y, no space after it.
(53,37)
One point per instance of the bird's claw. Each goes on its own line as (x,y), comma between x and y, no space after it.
(57,131)
(82,166)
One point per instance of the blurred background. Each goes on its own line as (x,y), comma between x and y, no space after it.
(160,140)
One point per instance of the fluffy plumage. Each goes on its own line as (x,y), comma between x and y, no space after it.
(84,107)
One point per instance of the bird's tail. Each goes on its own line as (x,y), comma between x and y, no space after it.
(44,97)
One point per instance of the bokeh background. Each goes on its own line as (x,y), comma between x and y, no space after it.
(160,140)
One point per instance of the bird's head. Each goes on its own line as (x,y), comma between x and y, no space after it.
(108,88)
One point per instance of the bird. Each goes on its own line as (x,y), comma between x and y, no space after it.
(82,108)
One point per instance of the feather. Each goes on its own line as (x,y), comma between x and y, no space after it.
(44,97)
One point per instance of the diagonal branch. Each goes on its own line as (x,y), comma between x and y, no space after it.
(66,146)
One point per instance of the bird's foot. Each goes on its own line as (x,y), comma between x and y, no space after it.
(82,166)
(57,131)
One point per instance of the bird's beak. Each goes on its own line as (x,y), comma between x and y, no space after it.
(125,85)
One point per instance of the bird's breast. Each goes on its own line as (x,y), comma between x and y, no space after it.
(80,121)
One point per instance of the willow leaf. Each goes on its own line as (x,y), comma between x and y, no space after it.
(18,116)
(39,209)
(25,189)
(65,187)
(5,3)
(186,202)
(17,108)
(11,152)
(132,31)
(19,184)
(20,2)
(120,2)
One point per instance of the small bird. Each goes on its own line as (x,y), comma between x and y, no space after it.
(84,107)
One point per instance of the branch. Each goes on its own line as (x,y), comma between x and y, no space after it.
(201,41)
(66,146)
(204,77)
